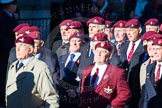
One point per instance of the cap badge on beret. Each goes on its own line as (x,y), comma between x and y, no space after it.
(78,35)
(132,25)
(121,25)
(102,44)
(27,32)
(107,25)
(67,23)
(95,38)
(160,42)
(21,39)
(71,27)
(95,21)
(151,23)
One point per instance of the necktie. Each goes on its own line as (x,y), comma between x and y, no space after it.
(131,52)
(19,65)
(158,73)
(118,49)
(91,53)
(71,61)
(95,78)
(69,66)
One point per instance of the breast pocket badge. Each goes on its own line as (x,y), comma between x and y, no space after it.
(108,90)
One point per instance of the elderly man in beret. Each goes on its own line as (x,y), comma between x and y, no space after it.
(151,92)
(12,54)
(67,77)
(95,25)
(7,24)
(147,38)
(44,54)
(61,47)
(152,24)
(104,85)
(119,34)
(29,82)
(108,30)
(132,55)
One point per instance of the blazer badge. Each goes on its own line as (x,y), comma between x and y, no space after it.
(108,90)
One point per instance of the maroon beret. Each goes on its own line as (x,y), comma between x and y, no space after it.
(17,28)
(99,37)
(28,29)
(157,42)
(25,39)
(75,25)
(155,36)
(65,22)
(35,35)
(146,35)
(96,20)
(120,24)
(34,28)
(104,45)
(152,22)
(132,23)
(76,35)
(108,24)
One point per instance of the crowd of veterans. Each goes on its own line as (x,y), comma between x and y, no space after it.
(114,66)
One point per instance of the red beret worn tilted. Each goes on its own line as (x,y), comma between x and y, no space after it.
(76,35)
(17,28)
(96,20)
(75,25)
(108,24)
(152,22)
(99,37)
(120,24)
(25,39)
(104,45)
(132,23)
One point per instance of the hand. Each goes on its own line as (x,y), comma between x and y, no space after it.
(71,93)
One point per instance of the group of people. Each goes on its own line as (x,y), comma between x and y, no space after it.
(114,66)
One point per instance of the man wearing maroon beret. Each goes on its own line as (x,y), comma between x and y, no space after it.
(152,25)
(95,25)
(132,55)
(61,47)
(148,37)
(151,92)
(44,54)
(29,81)
(104,85)
(68,83)
(108,30)
(119,34)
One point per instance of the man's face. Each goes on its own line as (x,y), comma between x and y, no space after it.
(151,28)
(23,51)
(119,34)
(109,33)
(38,44)
(149,48)
(64,33)
(157,52)
(133,33)
(93,29)
(101,55)
(75,44)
